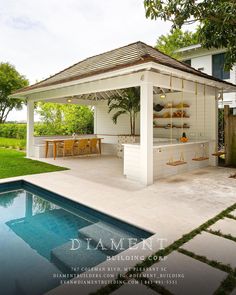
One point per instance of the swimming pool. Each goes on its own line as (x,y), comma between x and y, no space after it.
(43,234)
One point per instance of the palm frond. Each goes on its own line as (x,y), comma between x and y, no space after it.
(128,102)
(117,114)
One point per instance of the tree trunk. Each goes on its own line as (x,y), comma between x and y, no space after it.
(3,114)
(131,124)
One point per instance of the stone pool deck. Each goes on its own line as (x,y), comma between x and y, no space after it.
(169,208)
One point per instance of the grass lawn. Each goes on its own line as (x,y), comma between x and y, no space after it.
(12,143)
(13,163)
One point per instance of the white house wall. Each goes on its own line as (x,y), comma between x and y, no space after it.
(105,128)
(202,59)
(204,63)
(105,125)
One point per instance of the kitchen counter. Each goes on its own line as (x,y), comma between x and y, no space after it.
(166,151)
(169,143)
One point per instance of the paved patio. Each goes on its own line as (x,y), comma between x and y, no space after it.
(170,207)
(192,276)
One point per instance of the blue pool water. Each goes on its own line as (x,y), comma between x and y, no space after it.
(36,228)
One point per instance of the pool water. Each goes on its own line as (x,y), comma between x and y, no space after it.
(36,228)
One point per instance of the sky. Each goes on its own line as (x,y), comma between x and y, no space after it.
(43,37)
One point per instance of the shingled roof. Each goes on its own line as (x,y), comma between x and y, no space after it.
(123,57)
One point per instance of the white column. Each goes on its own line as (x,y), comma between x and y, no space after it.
(30,129)
(215,160)
(95,120)
(146,133)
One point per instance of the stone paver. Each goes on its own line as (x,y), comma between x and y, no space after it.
(233,213)
(213,247)
(189,276)
(134,288)
(234,292)
(225,226)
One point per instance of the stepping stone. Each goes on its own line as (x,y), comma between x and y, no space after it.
(65,259)
(134,287)
(233,213)
(213,247)
(225,226)
(189,276)
(105,233)
(234,292)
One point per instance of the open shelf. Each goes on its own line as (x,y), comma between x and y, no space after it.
(176,163)
(161,117)
(177,107)
(168,127)
(200,159)
(219,153)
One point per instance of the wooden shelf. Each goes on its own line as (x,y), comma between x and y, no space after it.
(177,107)
(200,159)
(176,163)
(219,153)
(160,117)
(168,127)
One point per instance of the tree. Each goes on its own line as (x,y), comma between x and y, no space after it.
(216,17)
(59,119)
(126,103)
(176,39)
(10,81)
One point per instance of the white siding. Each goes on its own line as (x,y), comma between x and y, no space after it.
(132,162)
(105,128)
(161,156)
(202,58)
(105,125)
(203,62)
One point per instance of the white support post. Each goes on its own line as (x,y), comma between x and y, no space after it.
(95,120)
(146,133)
(215,160)
(30,129)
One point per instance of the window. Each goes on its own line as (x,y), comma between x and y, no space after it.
(218,71)
(187,62)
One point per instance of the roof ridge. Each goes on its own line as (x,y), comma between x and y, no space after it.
(142,49)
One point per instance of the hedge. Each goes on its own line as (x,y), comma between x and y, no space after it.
(8,130)
(18,130)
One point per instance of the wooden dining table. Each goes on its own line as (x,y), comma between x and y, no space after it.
(55,142)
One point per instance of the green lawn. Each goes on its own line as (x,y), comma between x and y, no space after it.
(13,163)
(12,143)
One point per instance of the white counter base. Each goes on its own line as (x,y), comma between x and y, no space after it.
(163,152)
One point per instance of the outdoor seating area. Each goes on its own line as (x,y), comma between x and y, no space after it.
(73,147)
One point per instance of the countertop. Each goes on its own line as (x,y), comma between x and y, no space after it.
(169,143)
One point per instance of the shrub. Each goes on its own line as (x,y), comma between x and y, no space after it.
(8,130)
(82,124)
